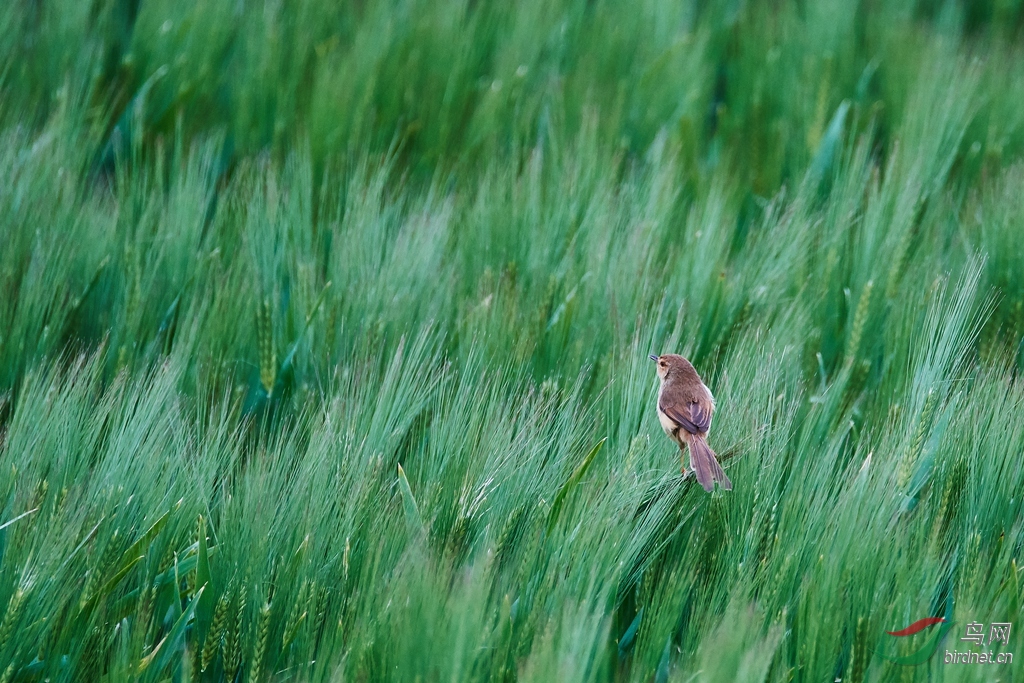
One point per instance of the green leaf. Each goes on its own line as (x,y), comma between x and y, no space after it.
(830,143)
(176,611)
(412,511)
(289,636)
(1014,585)
(92,284)
(146,539)
(926,461)
(169,646)
(661,674)
(864,82)
(289,358)
(165,324)
(204,607)
(295,565)
(111,583)
(78,548)
(3,531)
(167,599)
(168,577)
(15,519)
(924,653)
(570,484)
(626,641)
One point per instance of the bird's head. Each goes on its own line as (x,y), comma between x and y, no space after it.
(669,364)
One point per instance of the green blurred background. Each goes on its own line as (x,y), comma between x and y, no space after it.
(324,333)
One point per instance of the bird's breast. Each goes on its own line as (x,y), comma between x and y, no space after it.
(667,423)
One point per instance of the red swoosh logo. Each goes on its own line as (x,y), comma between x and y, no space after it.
(917,626)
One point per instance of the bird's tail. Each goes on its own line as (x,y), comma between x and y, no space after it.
(705,465)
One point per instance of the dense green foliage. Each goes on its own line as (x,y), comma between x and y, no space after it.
(324,333)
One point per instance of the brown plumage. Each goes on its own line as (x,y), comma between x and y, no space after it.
(685,407)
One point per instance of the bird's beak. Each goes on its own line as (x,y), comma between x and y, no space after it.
(653,357)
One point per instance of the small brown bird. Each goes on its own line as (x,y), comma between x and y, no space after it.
(685,407)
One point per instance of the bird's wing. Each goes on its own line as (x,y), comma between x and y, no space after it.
(701,415)
(690,416)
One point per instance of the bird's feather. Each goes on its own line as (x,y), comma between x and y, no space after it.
(705,465)
(690,416)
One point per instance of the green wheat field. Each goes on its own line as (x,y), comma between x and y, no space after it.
(324,337)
